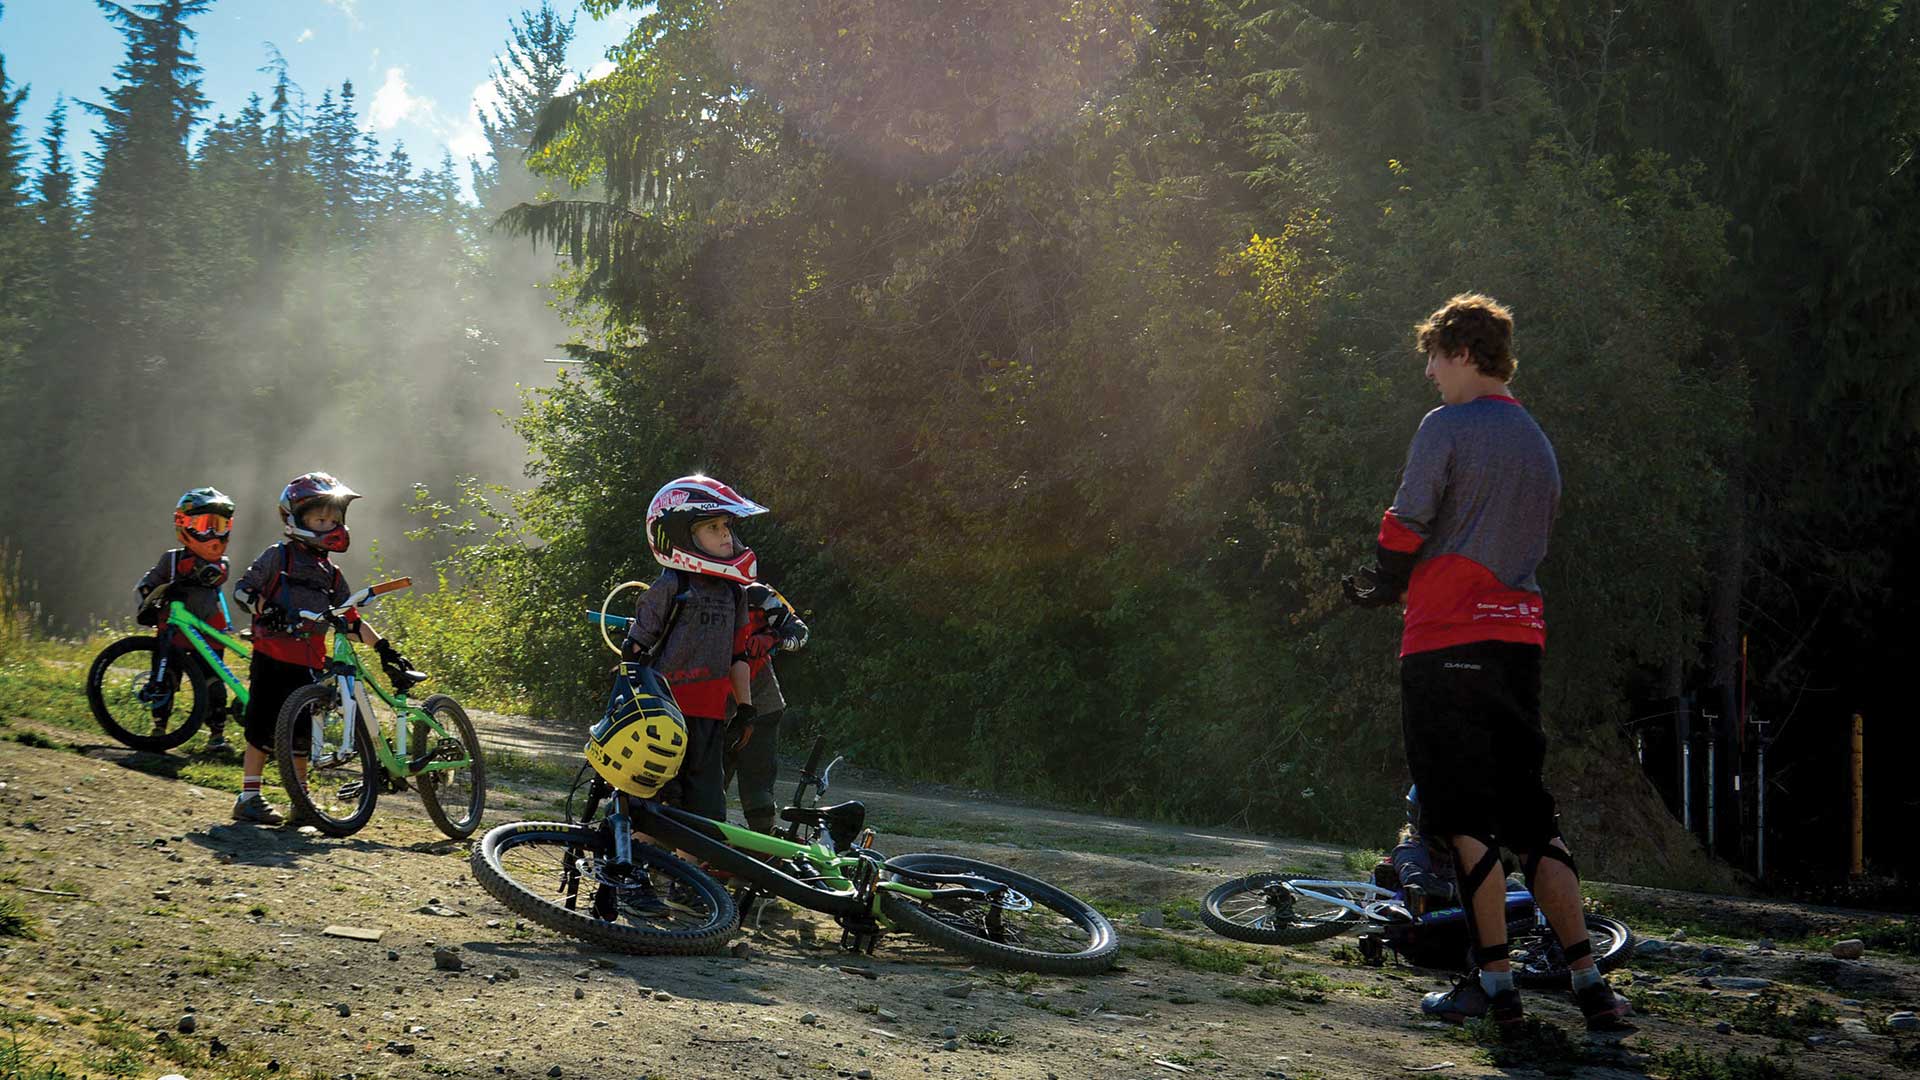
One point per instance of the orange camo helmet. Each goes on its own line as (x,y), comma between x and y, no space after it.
(203,519)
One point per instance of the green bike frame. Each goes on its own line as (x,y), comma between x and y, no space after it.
(392,754)
(834,884)
(197,631)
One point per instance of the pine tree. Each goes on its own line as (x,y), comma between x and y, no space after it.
(525,79)
(139,238)
(59,218)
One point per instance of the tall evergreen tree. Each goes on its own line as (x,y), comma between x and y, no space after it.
(524,79)
(21,277)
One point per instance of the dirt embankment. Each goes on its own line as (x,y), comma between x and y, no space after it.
(147,908)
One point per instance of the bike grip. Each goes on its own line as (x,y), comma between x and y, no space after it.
(618,622)
(390,586)
(813,759)
(312,616)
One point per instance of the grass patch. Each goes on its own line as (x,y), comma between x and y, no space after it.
(1090,841)
(1704,925)
(21,1061)
(15,920)
(1898,936)
(521,770)
(216,962)
(1268,994)
(989,1037)
(1680,1063)
(1681,1005)
(1361,862)
(1768,1015)
(1218,958)
(1537,1045)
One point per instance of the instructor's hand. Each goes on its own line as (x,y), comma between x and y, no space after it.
(1364,588)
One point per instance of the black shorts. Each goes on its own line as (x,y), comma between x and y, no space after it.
(273,682)
(699,787)
(1471,717)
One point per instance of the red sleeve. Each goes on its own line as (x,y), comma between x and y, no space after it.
(1397,537)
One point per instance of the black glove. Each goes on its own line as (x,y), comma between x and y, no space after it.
(1383,582)
(209,574)
(400,673)
(740,728)
(1366,588)
(273,617)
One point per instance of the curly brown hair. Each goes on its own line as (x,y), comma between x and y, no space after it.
(1481,325)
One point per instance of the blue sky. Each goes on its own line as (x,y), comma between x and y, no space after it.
(418,66)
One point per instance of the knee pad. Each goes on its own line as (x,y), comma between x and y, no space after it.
(1470,881)
(1530,868)
(1472,876)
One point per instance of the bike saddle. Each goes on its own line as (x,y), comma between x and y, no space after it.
(841,820)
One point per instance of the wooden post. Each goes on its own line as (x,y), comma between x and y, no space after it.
(1858,866)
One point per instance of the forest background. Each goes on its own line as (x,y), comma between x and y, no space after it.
(1069,343)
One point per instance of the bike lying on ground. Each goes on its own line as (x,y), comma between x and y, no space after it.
(602,877)
(151,694)
(350,757)
(1283,909)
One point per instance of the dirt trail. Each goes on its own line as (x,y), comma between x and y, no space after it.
(148,904)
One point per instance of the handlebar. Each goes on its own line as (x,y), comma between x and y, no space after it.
(360,598)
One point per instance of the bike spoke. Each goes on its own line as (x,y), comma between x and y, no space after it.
(542,866)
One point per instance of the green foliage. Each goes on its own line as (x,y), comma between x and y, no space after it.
(1294,986)
(15,920)
(1537,1044)
(1070,345)
(1682,1063)
(271,295)
(21,1060)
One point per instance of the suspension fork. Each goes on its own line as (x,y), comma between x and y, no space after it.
(621,822)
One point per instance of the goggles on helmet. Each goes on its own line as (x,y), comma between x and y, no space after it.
(205,526)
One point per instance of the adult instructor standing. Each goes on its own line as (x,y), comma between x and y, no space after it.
(1461,542)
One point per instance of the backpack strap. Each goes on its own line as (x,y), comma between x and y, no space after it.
(682,589)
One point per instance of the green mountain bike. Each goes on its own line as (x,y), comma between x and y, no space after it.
(611,877)
(335,755)
(151,694)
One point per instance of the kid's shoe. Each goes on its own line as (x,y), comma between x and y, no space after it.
(256,811)
(1604,1009)
(1468,1000)
(217,740)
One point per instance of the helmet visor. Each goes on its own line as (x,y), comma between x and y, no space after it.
(207,526)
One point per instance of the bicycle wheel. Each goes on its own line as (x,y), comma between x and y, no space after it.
(454,798)
(341,786)
(1260,909)
(561,876)
(1537,960)
(137,711)
(1036,926)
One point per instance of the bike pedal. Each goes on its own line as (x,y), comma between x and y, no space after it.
(396,784)
(859,935)
(351,789)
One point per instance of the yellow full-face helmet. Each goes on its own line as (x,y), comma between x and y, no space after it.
(639,745)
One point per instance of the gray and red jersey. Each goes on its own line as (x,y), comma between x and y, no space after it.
(697,656)
(1476,503)
(291,577)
